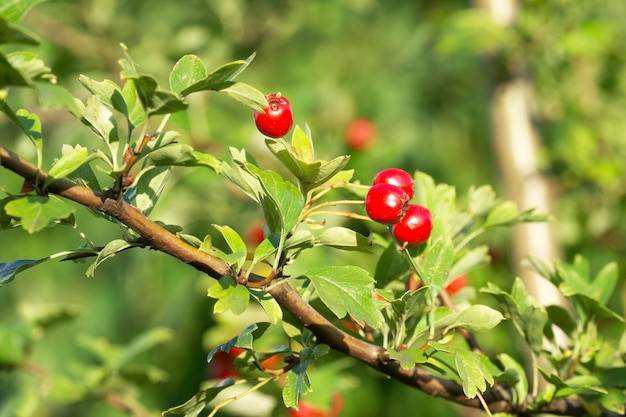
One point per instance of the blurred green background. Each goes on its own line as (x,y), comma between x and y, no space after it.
(421,70)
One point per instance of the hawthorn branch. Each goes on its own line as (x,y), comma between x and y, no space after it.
(499,398)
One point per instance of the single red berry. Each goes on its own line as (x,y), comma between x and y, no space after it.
(278,117)
(386,203)
(457,284)
(415,227)
(397,177)
(360,134)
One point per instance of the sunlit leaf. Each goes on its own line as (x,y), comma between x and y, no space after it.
(38,212)
(110,250)
(347,290)
(229,295)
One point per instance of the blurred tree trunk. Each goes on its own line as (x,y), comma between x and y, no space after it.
(515,145)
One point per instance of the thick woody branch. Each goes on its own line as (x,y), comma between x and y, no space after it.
(499,397)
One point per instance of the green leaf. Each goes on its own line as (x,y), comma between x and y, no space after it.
(100,119)
(229,295)
(8,270)
(476,318)
(29,67)
(302,146)
(55,96)
(148,187)
(282,201)
(269,305)
(136,113)
(528,315)
(246,94)
(38,212)
(347,290)
(196,404)
(343,238)
(391,265)
(408,358)
(31,126)
(437,262)
(10,33)
(175,154)
(521,386)
(235,243)
(502,214)
(14,10)
(297,382)
(188,71)
(71,160)
(472,372)
(110,250)
(108,91)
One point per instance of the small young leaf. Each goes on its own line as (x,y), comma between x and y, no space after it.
(473,373)
(100,119)
(408,358)
(148,187)
(477,318)
(229,295)
(110,250)
(297,382)
(302,145)
(437,262)
(72,159)
(235,243)
(38,212)
(347,290)
(109,92)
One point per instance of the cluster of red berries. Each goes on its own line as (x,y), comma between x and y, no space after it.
(388,202)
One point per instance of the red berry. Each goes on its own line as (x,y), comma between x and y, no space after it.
(415,227)
(360,134)
(457,284)
(278,117)
(397,177)
(386,203)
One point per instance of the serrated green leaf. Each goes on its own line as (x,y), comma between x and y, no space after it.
(229,295)
(408,358)
(282,201)
(347,290)
(529,316)
(110,250)
(297,382)
(188,71)
(438,261)
(343,238)
(38,212)
(30,67)
(472,372)
(71,160)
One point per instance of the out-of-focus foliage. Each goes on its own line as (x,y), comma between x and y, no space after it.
(421,70)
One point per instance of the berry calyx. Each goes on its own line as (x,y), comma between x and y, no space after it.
(360,134)
(397,177)
(278,117)
(415,226)
(385,203)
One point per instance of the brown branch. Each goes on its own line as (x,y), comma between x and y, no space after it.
(499,398)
